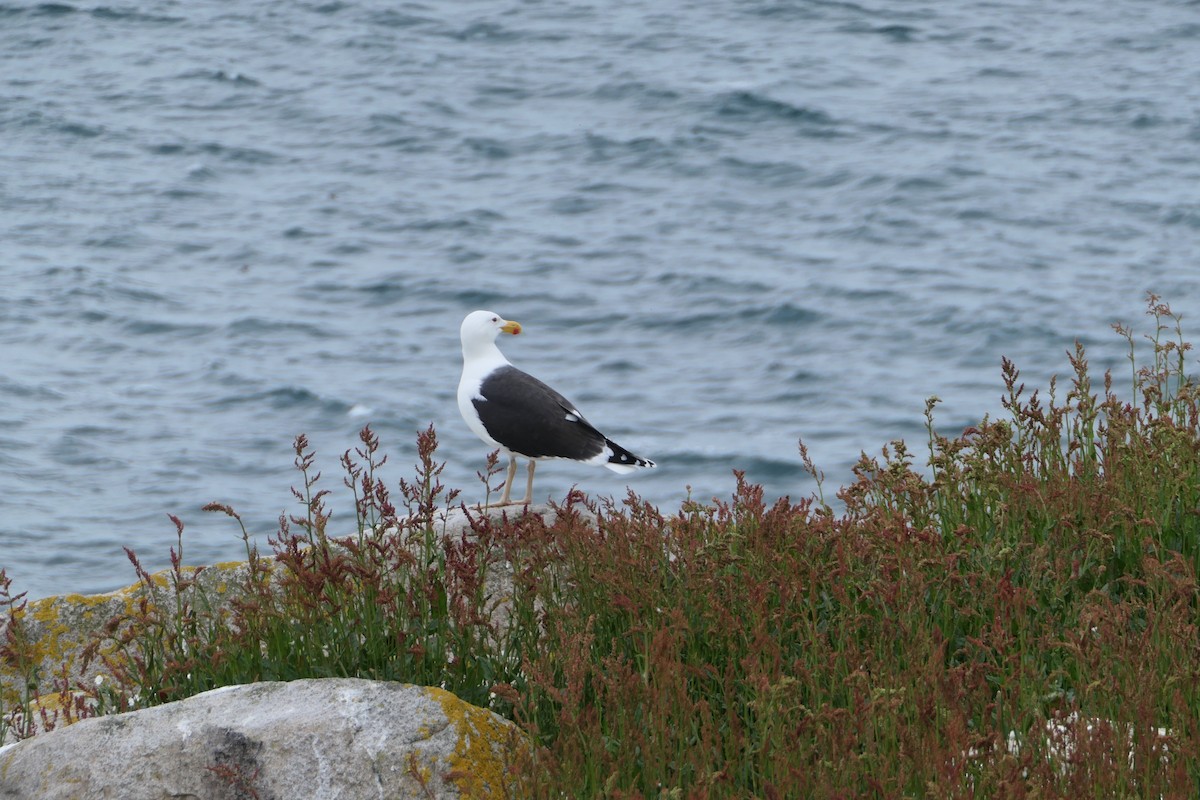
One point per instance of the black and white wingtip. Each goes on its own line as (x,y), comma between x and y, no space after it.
(620,460)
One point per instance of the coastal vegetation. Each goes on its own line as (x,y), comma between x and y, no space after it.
(1012,613)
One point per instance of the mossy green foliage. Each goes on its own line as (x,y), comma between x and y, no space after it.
(1016,617)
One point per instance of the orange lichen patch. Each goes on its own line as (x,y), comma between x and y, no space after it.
(483,754)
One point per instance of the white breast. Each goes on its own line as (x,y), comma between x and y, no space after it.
(476,367)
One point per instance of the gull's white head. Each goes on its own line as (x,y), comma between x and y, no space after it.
(481,328)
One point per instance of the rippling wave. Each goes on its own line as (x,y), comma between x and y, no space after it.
(725,227)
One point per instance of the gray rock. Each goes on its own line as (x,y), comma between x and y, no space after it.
(330,738)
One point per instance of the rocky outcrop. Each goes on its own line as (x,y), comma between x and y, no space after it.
(335,738)
(59,628)
(322,738)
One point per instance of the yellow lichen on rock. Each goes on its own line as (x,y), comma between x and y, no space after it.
(481,767)
(55,630)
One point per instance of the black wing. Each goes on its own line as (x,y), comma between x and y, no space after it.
(531,419)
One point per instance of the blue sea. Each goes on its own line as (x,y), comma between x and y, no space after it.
(725,227)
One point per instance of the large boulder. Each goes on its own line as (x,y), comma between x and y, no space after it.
(327,738)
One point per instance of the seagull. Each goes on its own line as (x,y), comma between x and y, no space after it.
(515,412)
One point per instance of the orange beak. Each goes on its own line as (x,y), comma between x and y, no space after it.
(511,327)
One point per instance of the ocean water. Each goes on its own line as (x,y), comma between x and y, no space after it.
(725,226)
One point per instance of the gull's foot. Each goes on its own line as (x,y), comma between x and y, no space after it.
(502,504)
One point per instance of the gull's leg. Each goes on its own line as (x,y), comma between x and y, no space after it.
(529,484)
(512,473)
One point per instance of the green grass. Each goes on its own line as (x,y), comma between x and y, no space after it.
(1016,617)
